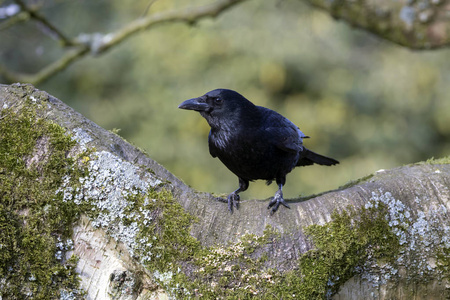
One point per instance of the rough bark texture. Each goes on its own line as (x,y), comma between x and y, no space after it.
(416,199)
(413,24)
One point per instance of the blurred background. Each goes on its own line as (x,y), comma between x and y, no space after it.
(366,102)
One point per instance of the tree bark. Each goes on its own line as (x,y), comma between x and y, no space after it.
(416,197)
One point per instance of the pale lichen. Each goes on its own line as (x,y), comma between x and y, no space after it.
(421,235)
(107,187)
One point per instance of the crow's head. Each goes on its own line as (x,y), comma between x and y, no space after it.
(219,106)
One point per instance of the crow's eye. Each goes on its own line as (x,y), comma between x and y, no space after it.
(218,100)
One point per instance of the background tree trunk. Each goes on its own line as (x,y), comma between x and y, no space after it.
(413,200)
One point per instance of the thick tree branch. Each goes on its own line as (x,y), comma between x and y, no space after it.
(395,242)
(413,24)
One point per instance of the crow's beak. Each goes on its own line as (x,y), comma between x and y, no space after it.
(194,104)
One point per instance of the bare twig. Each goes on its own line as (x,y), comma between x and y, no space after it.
(13,20)
(189,15)
(150,3)
(97,43)
(50,29)
(57,66)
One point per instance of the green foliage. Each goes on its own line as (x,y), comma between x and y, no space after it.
(34,221)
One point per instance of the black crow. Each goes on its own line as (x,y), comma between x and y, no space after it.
(252,141)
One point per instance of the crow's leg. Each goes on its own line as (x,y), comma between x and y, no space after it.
(233,198)
(278,198)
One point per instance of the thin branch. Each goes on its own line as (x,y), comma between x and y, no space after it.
(54,32)
(13,20)
(189,15)
(147,9)
(98,43)
(67,59)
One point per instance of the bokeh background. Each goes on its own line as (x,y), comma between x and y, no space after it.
(364,101)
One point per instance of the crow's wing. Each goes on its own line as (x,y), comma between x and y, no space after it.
(281,132)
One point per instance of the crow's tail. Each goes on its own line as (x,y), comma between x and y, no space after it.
(308,158)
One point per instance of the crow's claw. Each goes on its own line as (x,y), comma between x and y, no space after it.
(276,201)
(233,200)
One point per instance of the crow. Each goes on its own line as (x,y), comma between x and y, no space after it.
(252,141)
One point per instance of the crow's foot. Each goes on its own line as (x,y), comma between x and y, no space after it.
(220,199)
(276,201)
(233,200)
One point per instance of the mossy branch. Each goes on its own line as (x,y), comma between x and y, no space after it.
(412,24)
(381,236)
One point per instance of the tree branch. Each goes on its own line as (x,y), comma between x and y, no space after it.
(190,15)
(52,31)
(13,20)
(384,235)
(413,24)
(67,59)
(98,43)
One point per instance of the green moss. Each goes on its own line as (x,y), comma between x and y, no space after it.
(355,182)
(438,161)
(443,262)
(164,231)
(240,271)
(180,264)
(342,245)
(34,222)
(234,272)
